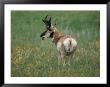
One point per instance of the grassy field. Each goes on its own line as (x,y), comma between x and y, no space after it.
(33,57)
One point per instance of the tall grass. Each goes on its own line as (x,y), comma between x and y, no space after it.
(32,57)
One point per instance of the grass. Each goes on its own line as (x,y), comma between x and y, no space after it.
(32,57)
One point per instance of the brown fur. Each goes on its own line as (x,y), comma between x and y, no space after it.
(58,39)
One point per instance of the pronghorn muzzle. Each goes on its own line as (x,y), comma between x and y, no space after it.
(43,34)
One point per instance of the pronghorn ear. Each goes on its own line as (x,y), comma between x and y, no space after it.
(46,17)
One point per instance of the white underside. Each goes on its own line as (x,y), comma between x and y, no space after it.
(69,47)
(66,44)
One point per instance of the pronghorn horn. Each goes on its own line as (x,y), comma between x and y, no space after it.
(50,20)
(46,17)
(45,20)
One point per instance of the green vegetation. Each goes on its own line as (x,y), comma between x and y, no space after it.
(33,57)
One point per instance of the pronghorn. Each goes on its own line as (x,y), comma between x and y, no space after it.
(66,45)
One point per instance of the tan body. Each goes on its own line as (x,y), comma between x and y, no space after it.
(66,45)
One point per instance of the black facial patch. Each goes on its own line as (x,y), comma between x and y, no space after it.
(42,34)
(51,35)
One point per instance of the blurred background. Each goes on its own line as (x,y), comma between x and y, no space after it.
(33,57)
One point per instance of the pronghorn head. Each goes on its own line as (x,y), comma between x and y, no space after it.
(48,33)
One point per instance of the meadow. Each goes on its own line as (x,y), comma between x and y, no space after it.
(33,57)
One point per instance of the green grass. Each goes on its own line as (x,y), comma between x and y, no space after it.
(33,57)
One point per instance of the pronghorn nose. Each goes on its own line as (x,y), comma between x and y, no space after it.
(43,38)
(41,34)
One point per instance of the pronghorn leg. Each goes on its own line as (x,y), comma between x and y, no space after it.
(59,60)
(64,63)
(68,60)
(62,59)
